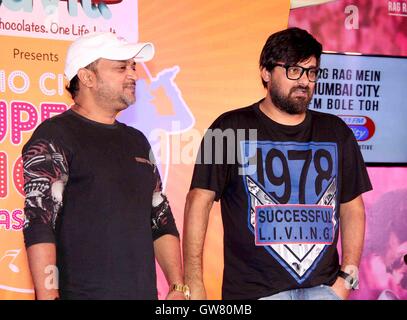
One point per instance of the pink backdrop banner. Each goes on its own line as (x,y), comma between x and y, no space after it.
(371,27)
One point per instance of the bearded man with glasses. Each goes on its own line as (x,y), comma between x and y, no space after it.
(295,182)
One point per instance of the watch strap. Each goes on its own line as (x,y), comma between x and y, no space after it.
(181,288)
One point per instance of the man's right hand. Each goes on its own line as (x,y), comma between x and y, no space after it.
(42,259)
(197,207)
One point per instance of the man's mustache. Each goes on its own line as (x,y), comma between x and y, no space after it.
(130,84)
(306,88)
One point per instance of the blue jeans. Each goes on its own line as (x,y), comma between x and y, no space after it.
(321,292)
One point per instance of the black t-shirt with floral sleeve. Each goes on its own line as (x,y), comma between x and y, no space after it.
(90,189)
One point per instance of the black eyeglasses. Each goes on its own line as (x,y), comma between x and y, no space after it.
(296,72)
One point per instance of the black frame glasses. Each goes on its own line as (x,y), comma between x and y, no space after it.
(294,73)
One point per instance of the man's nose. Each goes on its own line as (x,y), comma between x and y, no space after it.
(132,74)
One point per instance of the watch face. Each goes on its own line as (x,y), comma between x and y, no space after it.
(350,281)
(354,283)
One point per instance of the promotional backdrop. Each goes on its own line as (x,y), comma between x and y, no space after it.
(206,63)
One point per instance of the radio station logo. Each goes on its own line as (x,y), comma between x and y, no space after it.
(363,127)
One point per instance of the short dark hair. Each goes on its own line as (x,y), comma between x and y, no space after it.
(73,86)
(291,46)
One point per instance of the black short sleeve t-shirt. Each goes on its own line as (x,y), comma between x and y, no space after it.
(89,189)
(280,189)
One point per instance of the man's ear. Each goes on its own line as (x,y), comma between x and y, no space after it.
(265,75)
(86,77)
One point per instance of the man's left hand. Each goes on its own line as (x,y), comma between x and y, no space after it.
(341,289)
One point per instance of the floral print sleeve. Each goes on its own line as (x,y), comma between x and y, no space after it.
(162,219)
(45,176)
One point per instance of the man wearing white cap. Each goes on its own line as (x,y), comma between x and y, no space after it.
(94,204)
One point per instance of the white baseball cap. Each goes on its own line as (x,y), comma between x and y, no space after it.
(90,47)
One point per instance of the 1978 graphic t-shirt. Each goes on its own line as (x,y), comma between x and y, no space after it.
(280,189)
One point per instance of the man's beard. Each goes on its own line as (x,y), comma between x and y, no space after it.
(288,104)
(130,99)
(120,100)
